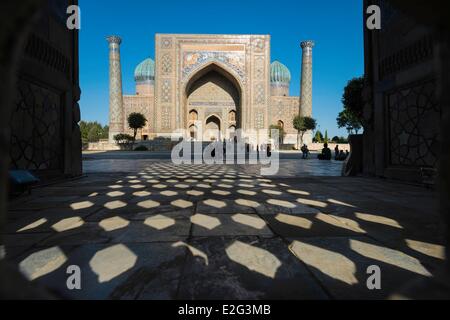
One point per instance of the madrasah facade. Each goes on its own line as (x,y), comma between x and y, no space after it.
(217,82)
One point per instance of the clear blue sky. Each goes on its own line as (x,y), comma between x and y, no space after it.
(335,26)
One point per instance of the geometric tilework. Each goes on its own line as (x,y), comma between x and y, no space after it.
(166,91)
(166,64)
(414,118)
(260,96)
(36,129)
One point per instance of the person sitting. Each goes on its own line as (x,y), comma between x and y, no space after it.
(342,156)
(326,153)
(305,151)
(336,152)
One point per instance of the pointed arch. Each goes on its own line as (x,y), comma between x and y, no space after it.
(234,86)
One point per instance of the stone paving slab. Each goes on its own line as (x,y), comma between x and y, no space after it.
(168,211)
(158,228)
(245,268)
(45,220)
(162,231)
(109,271)
(229,225)
(276,206)
(88,233)
(341,265)
(220,205)
(309,225)
(20,240)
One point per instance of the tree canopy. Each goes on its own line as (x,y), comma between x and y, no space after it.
(349,121)
(351,118)
(303,124)
(93,131)
(318,137)
(136,121)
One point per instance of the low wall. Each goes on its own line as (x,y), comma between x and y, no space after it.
(167,145)
(102,146)
(151,145)
(319,146)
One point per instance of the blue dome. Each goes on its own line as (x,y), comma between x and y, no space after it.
(279,73)
(145,71)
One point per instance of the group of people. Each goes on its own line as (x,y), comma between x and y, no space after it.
(340,155)
(326,154)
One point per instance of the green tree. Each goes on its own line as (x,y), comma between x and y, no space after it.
(349,121)
(336,139)
(318,137)
(136,121)
(84,131)
(93,134)
(91,131)
(105,132)
(352,98)
(351,117)
(281,132)
(326,139)
(302,125)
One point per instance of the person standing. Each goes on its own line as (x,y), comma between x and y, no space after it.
(336,152)
(305,151)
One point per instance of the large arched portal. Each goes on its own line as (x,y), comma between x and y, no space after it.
(215,96)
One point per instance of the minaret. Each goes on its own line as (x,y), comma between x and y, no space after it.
(115,88)
(306,84)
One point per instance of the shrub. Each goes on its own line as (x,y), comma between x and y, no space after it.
(125,141)
(302,125)
(136,121)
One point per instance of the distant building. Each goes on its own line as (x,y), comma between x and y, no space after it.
(223,82)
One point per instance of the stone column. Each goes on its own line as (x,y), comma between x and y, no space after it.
(115,88)
(306,85)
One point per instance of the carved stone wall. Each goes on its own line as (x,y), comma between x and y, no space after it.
(37,129)
(402,134)
(44,132)
(413,130)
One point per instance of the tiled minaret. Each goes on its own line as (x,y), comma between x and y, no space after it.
(306,84)
(115,88)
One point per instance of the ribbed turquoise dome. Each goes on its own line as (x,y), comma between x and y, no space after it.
(279,73)
(145,71)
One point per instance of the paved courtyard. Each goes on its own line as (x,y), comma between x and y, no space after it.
(142,228)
